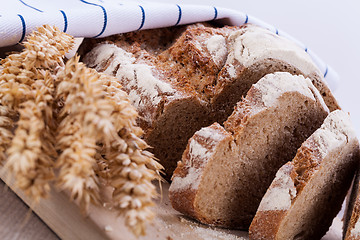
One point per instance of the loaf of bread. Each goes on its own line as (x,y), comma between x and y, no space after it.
(352,212)
(225,171)
(183,78)
(308,192)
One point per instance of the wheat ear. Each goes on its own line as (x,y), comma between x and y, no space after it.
(26,89)
(97,136)
(131,167)
(85,122)
(105,112)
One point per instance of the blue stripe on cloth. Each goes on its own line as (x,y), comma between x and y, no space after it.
(30,6)
(306,49)
(65,21)
(326,71)
(105,16)
(142,18)
(180,13)
(277,32)
(23,27)
(247,19)
(216,13)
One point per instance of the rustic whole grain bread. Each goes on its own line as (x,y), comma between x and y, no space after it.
(308,192)
(351,229)
(225,171)
(183,78)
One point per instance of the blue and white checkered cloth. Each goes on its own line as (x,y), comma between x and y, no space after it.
(100,18)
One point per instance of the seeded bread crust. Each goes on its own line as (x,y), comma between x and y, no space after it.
(206,69)
(245,155)
(308,192)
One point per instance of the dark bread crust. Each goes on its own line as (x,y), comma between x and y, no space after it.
(353,220)
(270,222)
(306,162)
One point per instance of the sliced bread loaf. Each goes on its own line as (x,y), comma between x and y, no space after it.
(352,212)
(225,172)
(183,78)
(157,77)
(308,192)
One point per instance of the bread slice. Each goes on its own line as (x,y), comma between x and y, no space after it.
(308,192)
(225,172)
(352,212)
(183,78)
(255,52)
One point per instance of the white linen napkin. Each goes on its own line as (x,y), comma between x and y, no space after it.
(100,18)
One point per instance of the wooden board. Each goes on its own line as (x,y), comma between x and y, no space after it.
(65,219)
(17,221)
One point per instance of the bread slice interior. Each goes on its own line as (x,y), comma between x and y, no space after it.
(233,172)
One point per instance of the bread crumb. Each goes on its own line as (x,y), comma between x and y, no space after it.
(212,233)
(108,228)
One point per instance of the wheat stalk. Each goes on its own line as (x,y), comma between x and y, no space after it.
(131,167)
(85,121)
(97,102)
(32,152)
(131,179)
(26,88)
(97,136)
(6,126)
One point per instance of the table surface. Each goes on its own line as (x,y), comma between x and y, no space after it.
(330,28)
(17,221)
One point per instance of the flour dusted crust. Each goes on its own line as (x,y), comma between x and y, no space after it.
(184,78)
(313,185)
(188,174)
(237,163)
(255,52)
(146,85)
